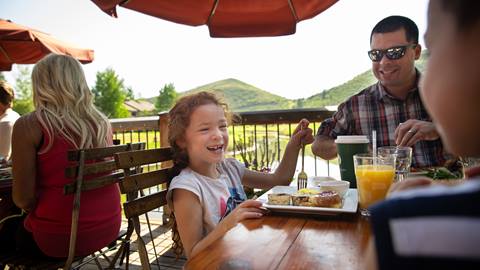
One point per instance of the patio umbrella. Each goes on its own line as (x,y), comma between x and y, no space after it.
(24,45)
(228,18)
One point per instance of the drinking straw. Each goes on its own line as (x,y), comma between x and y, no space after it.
(374,146)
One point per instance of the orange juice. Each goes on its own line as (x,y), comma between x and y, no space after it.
(373,182)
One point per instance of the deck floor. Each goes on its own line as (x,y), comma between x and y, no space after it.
(161,244)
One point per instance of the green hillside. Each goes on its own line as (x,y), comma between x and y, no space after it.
(337,94)
(241,96)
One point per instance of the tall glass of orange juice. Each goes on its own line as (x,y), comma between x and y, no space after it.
(374,177)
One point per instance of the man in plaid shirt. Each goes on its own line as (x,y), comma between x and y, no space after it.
(392,106)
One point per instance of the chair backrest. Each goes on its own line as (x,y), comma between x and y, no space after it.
(99,166)
(156,164)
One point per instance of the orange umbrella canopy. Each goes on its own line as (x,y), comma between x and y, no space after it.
(23,45)
(228,18)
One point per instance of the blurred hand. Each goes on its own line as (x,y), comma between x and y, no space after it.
(302,133)
(409,184)
(411,131)
(246,210)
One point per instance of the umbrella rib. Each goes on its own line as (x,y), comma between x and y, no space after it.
(292,9)
(5,53)
(212,12)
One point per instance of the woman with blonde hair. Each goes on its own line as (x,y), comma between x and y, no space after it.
(64,119)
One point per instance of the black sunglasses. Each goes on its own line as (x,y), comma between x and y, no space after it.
(392,53)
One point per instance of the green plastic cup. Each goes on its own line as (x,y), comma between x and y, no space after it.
(347,146)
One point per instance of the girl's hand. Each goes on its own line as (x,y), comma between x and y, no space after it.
(302,134)
(246,210)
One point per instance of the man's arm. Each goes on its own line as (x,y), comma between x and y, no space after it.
(324,147)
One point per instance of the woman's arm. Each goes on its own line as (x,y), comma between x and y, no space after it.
(26,138)
(189,218)
(286,169)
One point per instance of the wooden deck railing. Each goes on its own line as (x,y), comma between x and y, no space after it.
(258,138)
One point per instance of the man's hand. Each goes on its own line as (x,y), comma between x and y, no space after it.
(411,131)
(324,147)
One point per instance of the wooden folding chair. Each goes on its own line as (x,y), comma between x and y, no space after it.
(156,164)
(101,171)
(101,162)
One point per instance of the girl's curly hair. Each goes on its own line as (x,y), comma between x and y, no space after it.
(179,120)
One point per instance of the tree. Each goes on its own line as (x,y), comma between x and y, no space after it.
(23,102)
(166,97)
(129,93)
(110,94)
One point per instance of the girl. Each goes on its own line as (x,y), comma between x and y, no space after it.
(207,197)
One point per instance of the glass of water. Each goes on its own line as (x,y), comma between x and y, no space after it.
(403,159)
(468,163)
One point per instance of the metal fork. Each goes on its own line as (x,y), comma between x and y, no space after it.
(302,177)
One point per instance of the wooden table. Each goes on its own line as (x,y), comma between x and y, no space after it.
(289,242)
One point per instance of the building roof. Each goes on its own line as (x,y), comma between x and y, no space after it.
(139,106)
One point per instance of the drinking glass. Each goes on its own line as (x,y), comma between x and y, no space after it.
(403,159)
(468,163)
(374,177)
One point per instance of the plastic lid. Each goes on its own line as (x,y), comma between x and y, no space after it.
(352,139)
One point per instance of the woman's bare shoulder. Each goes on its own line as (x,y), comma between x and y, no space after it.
(27,124)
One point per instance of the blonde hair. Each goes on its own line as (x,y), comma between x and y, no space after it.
(64,104)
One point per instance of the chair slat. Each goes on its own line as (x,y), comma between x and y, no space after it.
(95,183)
(145,204)
(144,180)
(93,168)
(142,157)
(98,153)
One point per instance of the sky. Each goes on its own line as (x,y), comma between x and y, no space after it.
(148,52)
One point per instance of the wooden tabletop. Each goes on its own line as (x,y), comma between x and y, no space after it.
(289,242)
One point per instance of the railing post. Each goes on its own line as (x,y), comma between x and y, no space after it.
(163,127)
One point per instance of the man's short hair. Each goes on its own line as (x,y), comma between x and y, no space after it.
(6,93)
(394,23)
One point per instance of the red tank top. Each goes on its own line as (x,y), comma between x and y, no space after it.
(50,220)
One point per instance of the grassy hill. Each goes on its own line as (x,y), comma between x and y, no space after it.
(245,97)
(241,96)
(337,94)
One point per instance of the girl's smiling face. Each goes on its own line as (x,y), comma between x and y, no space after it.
(206,138)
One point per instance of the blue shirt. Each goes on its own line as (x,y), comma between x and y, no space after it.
(436,227)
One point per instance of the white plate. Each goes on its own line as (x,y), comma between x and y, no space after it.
(350,203)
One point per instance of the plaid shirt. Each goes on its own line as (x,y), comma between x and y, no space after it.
(375,109)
